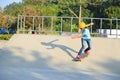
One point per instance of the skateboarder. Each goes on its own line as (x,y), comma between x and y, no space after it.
(85,37)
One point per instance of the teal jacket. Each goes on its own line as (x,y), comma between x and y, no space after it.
(86,34)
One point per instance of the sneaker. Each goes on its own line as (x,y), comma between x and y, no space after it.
(79,58)
(87,52)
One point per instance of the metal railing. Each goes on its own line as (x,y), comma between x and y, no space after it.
(29,24)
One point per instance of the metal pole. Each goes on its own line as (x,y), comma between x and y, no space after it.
(80,12)
(61,26)
(33,27)
(18,24)
(51,24)
(71,24)
(100,26)
(91,26)
(116,28)
(42,22)
(21,23)
(110,26)
(24,25)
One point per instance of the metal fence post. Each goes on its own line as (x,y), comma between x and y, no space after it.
(61,26)
(24,25)
(91,25)
(110,26)
(116,28)
(33,24)
(100,26)
(51,24)
(42,22)
(21,22)
(18,24)
(71,24)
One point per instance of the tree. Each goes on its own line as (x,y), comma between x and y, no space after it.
(112,12)
(13,9)
(97,7)
(112,9)
(72,8)
(34,2)
(3,20)
(28,12)
(43,7)
(1,10)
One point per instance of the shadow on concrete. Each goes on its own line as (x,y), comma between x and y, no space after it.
(111,65)
(23,66)
(19,63)
(32,66)
(22,59)
(60,46)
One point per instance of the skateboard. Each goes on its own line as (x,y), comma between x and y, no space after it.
(76,59)
(83,56)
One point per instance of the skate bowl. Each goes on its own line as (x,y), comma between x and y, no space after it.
(50,57)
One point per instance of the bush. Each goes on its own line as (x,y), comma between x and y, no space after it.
(74,28)
(53,33)
(5,36)
(57,27)
(94,35)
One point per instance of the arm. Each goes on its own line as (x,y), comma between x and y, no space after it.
(89,24)
(77,36)
(79,30)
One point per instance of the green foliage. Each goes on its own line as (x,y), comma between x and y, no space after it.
(53,33)
(28,10)
(13,9)
(34,2)
(94,35)
(71,8)
(66,25)
(5,36)
(74,28)
(96,8)
(3,20)
(47,10)
(112,12)
(57,27)
(1,10)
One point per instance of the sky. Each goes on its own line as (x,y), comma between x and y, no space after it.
(4,3)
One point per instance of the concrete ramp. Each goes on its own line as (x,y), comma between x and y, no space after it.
(50,57)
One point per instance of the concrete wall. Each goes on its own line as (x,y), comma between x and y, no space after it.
(110,33)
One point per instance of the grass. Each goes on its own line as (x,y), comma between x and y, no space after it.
(5,36)
(95,35)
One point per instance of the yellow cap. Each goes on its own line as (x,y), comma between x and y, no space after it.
(82,25)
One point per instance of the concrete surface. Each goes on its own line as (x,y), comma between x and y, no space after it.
(49,57)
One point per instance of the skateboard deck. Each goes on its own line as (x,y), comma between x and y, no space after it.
(75,59)
(83,56)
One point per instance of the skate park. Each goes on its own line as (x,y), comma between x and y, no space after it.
(42,45)
(50,57)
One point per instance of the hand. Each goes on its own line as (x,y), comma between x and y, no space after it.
(76,36)
(92,23)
